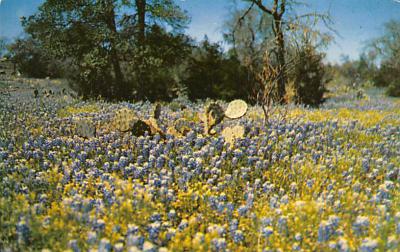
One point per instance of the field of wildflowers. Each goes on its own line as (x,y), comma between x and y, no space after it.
(324,179)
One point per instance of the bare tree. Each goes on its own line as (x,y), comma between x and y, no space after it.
(284,39)
(277,10)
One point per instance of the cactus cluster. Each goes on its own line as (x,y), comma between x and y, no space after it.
(360,94)
(214,114)
(85,128)
(124,120)
(139,128)
(180,128)
(235,110)
(154,127)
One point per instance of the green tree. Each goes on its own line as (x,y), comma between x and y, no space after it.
(156,70)
(94,36)
(3,46)
(387,48)
(309,76)
(156,12)
(357,72)
(86,33)
(32,61)
(212,74)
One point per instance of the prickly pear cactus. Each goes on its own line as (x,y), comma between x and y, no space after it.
(140,127)
(213,116)
(230,134)
(124,120)
(157,111)
(182,126)
(360,94)
(85,128)
(236,109)
(154,128)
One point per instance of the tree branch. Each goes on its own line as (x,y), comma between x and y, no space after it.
(245,14)
(263,7)
(282,8)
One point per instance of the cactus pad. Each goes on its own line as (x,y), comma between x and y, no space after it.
(154,128)
(140,127)
(213,116)
(182,126)
(157,111)
(84,128)
(236,109)
(124,120)
(230,134)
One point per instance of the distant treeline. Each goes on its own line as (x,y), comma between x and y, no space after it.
(138,50)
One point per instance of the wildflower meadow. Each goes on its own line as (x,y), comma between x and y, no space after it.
(322,179)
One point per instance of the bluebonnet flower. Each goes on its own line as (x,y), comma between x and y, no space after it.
(119,247)
(171,232)
(107,167)
(134,240)
(219,244)
(172,214)
(397,222)
(242,210)
(296,247)
(298,237)
(273,202)
(183,225)
(91,237)
(23,231)
(123,161)
(284,200)
(392,242)
(325,231)
(105,245)
(267,231)
(238,236)
(149,247)
(155,217)
(154,230)
(216,229)
(230,207)
(73,244)
(361,225)
(283,225)
(369,245)
(100,225)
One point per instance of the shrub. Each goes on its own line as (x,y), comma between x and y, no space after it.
(32,60)
(211,74)
(394,89)
(309,77)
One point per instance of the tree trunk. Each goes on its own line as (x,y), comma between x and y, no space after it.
(141,12)
(121,87)
(141,40)
(280,47)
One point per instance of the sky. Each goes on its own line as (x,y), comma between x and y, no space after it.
(356,21)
